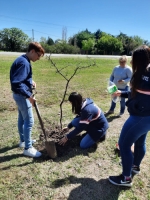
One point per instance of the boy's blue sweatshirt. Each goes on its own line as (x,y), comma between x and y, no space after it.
(21,76)
(92,120)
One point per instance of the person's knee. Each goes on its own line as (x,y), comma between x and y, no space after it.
(83,146)
(29,122)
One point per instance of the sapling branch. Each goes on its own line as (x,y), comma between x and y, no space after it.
(60,71)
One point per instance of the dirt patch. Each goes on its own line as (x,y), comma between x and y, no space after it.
(55,134)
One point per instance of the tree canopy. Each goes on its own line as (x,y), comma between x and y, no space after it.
(84,42)
(13,39)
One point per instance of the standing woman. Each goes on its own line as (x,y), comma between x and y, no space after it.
(89,118)
(121,77)
(137,125)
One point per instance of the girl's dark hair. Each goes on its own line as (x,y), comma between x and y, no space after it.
(76,101)
(140,65)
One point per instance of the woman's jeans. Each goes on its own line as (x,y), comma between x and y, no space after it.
(122,102)
(87,141)
(25,119)
(134,131)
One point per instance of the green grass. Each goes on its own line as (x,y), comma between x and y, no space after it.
(80,172)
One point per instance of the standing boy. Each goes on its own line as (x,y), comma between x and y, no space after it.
(21,86)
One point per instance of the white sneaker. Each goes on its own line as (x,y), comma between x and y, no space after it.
(32,152)
(22,144)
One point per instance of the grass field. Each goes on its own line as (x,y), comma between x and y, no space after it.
(80,174)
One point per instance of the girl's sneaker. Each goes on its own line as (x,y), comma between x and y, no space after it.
(121,180)
(135,169)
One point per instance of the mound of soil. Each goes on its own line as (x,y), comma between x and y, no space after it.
(55,134)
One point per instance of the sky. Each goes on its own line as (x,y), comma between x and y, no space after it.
(48,18)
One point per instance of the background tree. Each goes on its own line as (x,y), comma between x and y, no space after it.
(73,40)
(137,41)
(109,44)
(50,41)
(129,43)
(46,43)
(97,35)
(88,45)
(13,39)
(64,48)
(43,40)
(83,35)
(146,42)
(124,39)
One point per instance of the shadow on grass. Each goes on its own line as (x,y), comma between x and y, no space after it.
(5,149)
(111,118)
(19,165)
(8,158)
(89,188)
(70,149)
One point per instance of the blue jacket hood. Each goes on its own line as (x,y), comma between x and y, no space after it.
(87,102)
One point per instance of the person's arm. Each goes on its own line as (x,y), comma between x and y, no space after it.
(73,133)
(125,94)
(112,76)
(18,77)
(119,93)
(129,76)
(76,131)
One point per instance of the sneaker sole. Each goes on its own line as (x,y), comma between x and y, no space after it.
(125,184)
(32,156)
(135,172)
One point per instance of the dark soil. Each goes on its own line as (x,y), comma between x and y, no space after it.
(55,134)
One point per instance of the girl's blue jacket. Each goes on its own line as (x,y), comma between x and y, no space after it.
(92,120)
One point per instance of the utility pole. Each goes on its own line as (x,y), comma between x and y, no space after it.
(64,33)
(33,35)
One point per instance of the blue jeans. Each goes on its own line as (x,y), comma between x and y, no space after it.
(122,102)
(134,131)
(25,119)
(87,141)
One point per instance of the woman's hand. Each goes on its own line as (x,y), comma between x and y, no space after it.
(63,141)
(65,129)
(121,81)
(117,93)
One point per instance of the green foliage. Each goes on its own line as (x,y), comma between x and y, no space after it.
(109,44)
(13,39)
(83,42)
(83,35)
(130,43)
(88,45)
(60,48)
(50,41)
